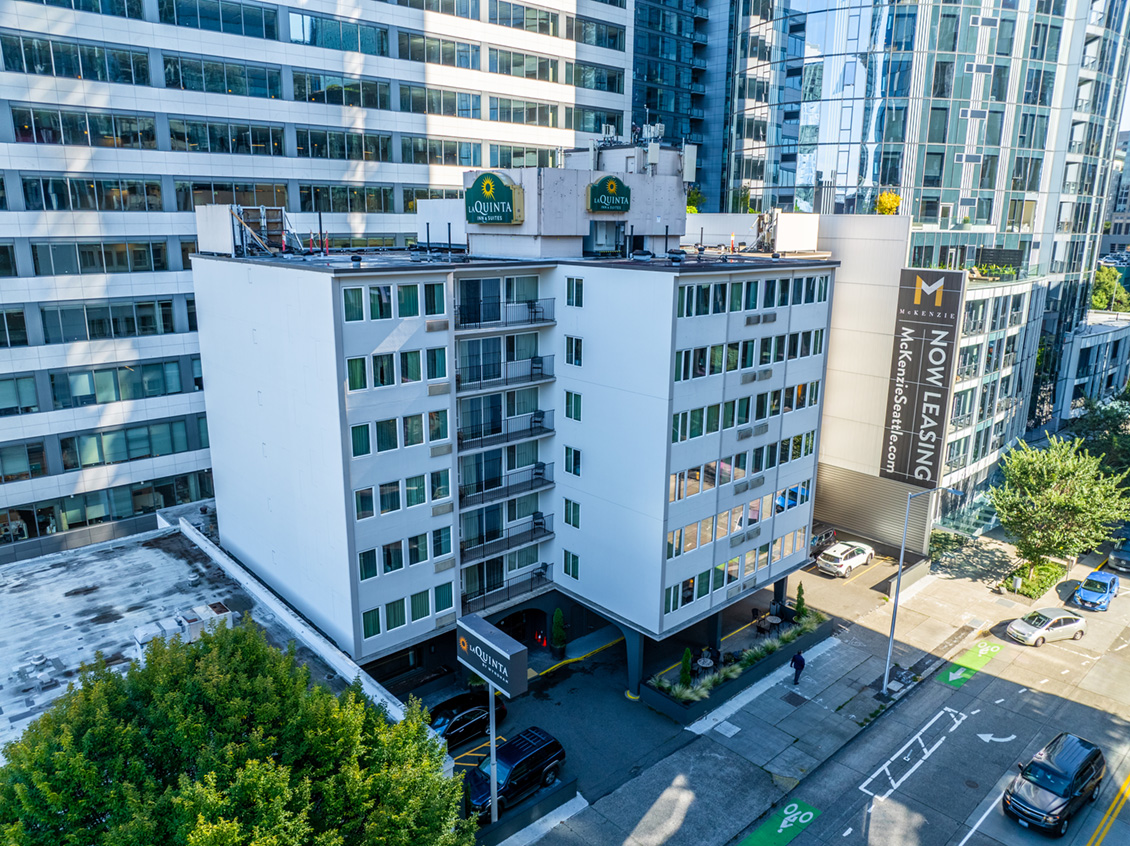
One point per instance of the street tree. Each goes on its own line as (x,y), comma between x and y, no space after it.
(1108,293)
(225,742)
(1057,501)
(1103,429)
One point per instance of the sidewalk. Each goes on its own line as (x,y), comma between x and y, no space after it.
(756,747)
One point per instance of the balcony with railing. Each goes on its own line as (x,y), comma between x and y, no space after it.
(967,371)
(500,374)
(534,425)
(701,11)
(491,313)
(1007,404)
(492,595)
(1008,359)
(973,326)
(537,528)
(522,481)
(1015,318)
(961,421)
(955,462)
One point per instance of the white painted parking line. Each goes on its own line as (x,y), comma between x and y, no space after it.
(977,824)
(910,750)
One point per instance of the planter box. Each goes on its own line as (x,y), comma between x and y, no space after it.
(687,713)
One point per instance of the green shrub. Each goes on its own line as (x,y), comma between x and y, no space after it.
(801,609)
(1044,578)
(685,674)
(558,628)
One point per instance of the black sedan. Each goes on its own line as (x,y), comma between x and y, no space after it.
(464,718)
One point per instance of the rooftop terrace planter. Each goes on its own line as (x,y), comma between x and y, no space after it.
(686,713)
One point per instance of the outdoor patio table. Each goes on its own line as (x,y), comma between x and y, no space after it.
(773,622)
(705,663)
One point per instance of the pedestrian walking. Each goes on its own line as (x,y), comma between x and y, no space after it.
(797,664)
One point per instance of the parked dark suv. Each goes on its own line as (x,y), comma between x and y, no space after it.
(1054,785)
(531,760)
(823,536)
(465,717)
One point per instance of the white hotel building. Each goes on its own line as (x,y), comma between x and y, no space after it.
(117,117)
(396,443)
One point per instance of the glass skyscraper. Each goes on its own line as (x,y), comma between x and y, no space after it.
(994,123)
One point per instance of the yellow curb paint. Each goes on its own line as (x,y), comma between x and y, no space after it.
(581,658)
(631,696)
(1111,814)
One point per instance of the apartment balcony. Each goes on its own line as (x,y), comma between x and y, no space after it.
(698,37)
(701,11)
(955,463)
(489,314)
(511,589)
(698,62)
(500,374)
(696,114)
(698,88)
(537,528)
(961,421)
(973,327)
(1008,359)
(695,137)
(966,372)
(1015,318)
(1007,404)
(534,425)
(522,481)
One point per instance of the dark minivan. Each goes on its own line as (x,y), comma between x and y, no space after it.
(531,760)
(1055,784)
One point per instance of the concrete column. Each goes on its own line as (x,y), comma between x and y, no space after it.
(714,631)
(634,643)
(781,590)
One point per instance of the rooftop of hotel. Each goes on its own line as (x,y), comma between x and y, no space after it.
(381,260)
(64,608)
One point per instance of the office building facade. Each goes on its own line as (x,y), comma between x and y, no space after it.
(994,124)
(117,117)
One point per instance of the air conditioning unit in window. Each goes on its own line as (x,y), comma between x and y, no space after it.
(608,130)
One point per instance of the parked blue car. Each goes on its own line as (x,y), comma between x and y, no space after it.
(1096,591)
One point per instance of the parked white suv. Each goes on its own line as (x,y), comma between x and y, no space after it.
(841,558)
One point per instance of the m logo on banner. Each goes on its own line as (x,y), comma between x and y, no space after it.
(936,287)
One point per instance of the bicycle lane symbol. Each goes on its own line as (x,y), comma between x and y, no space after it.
(783,826)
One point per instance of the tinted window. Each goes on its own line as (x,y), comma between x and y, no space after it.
(1036,619)
(1043,777)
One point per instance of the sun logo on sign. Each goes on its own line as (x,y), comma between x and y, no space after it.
(611,186)
(488,188)
(463,644)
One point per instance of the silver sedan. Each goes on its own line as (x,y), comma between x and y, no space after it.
(1036,627)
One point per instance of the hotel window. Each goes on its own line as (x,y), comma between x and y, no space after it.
(419,603)
(414,491)
(355,369)
(383,373)
(392,555)
(364,503)
(390,497)
(437,425)
(575,292)
(367,564)
(413,430)
(573,351)
(441,484)
(354,304)
(410,366)
(380,302)
(371,622)
(386,435)
(441,542)
(394,614)
(572,405)
(573,513)
(572,461)
(417,549)
(434,300)
(443,596)
(572,564)
(437,363)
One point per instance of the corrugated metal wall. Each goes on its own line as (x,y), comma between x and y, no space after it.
(872,507)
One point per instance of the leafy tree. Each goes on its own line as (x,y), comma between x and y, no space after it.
(1057,501)
(887,203)
(1107,293)
(1102,429)
(686,676)
(225,742)
(695,200)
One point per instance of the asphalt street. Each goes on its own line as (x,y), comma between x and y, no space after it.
(932,770)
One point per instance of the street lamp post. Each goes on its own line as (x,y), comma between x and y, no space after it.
(898,578)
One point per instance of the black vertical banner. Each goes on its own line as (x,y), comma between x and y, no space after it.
(922,368)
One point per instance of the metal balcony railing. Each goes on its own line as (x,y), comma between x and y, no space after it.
(973,327)
(477,314)
(1008,359)
(961,421)
(955,463)
(531,478)
(701,11)
(966,371)
(497,374)
(503,540)
(533,425)
(1015,318)
(487,597)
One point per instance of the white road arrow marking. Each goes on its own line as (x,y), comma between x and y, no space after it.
(988,738)
(957,674)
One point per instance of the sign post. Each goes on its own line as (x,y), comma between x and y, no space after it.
(501,661)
